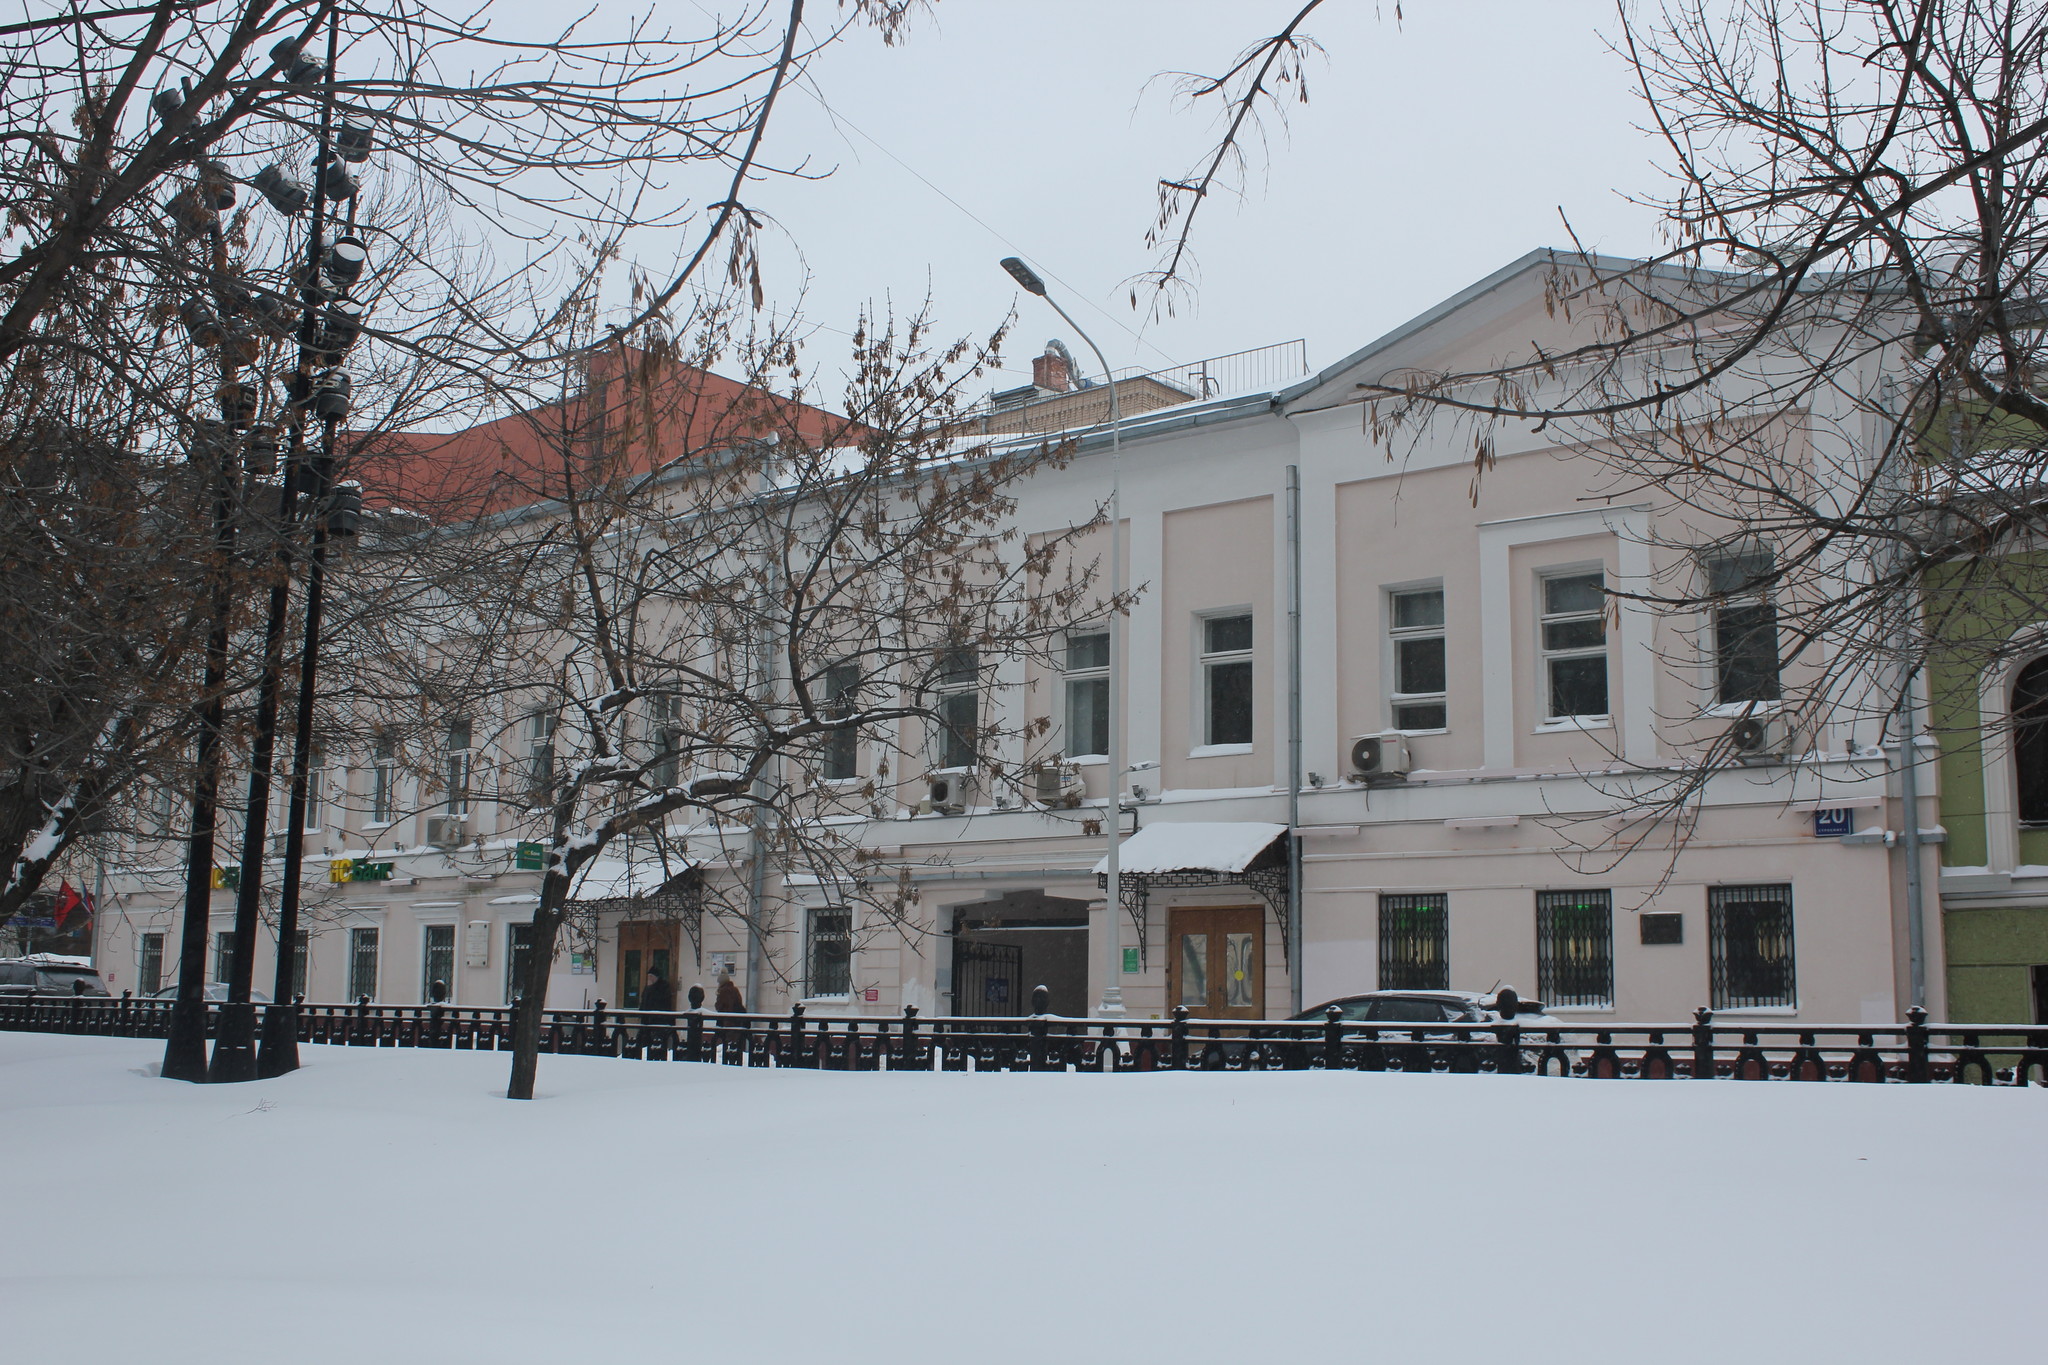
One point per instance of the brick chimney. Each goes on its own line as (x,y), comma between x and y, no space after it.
(1049,371)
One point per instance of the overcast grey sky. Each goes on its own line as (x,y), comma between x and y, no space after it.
(1432,152)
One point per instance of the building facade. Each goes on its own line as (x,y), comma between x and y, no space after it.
(1501,825)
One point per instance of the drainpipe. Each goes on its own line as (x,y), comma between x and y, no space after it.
(1294,739)
(1909,792)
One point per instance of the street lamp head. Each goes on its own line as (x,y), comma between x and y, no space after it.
(1024,275)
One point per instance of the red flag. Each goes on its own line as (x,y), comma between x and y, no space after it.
(67,901)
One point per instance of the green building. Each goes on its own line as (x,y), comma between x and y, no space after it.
(1988,707)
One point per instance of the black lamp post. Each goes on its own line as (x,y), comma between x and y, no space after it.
(329,325)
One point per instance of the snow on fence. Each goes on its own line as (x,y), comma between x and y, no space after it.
(1916,1051)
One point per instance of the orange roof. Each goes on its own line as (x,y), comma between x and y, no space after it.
(636,413)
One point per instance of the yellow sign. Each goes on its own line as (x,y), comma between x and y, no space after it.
(341,870)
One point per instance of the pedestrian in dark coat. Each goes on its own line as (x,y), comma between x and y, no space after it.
(730,1001)
(658,994)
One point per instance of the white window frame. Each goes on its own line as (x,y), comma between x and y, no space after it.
(811,936)
(942,692)
(1548,720)
(1069,676)
(1206,661)
(454,958)
(458,767)
(383,791)
(1396,634)
(316,781)
(1710,631)
(829,702)
(540,752)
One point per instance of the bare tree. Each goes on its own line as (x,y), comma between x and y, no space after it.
(154,278)
(700,591)
(1831,376)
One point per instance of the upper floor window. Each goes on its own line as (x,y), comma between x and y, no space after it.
(540,755)
(959,708)
(316,785)
(1087,686)
(457,767)
(2030,740)
(383,781)
(1415,620)
(665,737)
(1745,627)
(841,757)
(1574,639)
(1227,679)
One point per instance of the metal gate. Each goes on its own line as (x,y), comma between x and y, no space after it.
(988,979)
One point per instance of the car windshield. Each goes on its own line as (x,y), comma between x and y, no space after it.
(1399,1011)
(63,978)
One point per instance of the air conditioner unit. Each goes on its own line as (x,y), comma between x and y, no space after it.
(1758,738)
(951,794)
(1053,783)
(1383,755)
(447,831)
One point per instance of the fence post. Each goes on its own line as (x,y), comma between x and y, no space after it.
(1918,1070)
(796,1039)
(1038,1027)
(909,1053)
(1333,1039)
(593,1037)
(1703,1044)
(1177,1049)
(694,1030)
(506,1032)
(437,1024)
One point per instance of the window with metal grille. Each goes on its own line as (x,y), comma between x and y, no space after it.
(362,963)
(1745,626)
(1751,930)
(301,961)
(223,954)
(1415,623)
(149,972)
(437,960)
(1574,641)
(1575,948)
(840,759)
(831,944)
(1227,690)
(1086,677)
(1415,942)
(518,953)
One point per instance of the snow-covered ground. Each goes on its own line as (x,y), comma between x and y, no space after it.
(389,1207)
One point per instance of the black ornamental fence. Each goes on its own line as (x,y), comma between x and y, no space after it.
(1914,1052)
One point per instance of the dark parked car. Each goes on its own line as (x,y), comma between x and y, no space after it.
(216,991)
(1437,1007)
(1500,1006)
(49,975)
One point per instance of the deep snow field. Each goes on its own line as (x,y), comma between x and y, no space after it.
(382,1207)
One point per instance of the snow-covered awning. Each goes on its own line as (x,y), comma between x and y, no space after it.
(1194,846)
(606,879)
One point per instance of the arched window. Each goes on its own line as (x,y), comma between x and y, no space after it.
(2030,740)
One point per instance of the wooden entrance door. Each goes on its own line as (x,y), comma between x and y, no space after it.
(644,946)
(1216,961)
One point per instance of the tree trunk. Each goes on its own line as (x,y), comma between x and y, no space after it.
(547,923)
